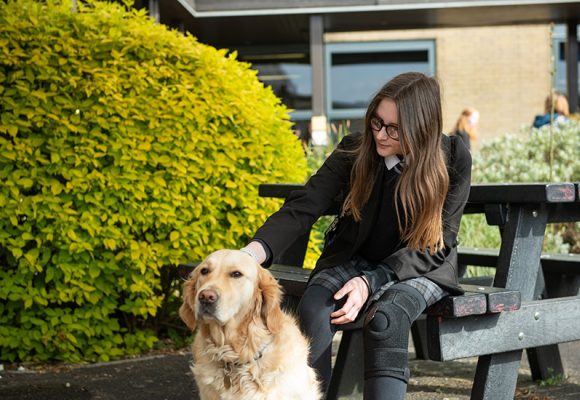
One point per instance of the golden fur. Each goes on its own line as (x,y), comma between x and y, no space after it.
(246,347)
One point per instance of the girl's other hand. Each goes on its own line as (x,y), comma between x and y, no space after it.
(357,291)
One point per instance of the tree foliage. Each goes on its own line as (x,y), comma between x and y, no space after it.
(125,149)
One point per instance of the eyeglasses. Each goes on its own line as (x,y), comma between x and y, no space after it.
(392,129)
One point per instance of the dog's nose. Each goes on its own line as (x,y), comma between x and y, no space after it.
(208,296)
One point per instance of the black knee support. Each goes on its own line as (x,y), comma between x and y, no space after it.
(386,332)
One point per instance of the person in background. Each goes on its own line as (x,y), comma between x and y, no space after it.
(392,251)
(559,105)
(466,126)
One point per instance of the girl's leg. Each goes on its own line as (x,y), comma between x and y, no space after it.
(314,311)
(386,341)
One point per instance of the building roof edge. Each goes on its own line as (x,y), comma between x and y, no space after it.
(190,7)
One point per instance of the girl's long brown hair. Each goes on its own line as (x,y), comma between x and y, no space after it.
(421,190)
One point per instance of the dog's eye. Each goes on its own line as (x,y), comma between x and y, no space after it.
(236,274)
(204,271)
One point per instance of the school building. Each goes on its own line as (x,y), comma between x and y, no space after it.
(326,58)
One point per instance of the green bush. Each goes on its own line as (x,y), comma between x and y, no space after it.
(125,149)
(535,155)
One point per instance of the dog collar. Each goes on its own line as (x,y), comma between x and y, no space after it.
(229,367)
(261,351)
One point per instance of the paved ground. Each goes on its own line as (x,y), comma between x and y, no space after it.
(167,377)
(453,380)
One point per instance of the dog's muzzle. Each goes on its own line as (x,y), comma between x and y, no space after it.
(207,305)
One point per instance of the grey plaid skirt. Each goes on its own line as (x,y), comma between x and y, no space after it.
(334,278)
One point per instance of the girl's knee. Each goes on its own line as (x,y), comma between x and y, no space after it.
(315,308)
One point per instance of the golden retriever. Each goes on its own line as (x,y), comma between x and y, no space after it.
(245,347)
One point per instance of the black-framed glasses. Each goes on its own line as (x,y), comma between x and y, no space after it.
(392,129)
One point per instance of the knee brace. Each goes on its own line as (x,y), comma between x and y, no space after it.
(386,333)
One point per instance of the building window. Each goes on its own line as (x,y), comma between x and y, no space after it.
(355,71)
(289,75)
(560,59)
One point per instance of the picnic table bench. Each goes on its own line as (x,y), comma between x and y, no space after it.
(476,324)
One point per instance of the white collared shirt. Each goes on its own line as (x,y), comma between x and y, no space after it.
(392,161)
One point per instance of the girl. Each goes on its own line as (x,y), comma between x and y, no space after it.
(466,126)
(393,250)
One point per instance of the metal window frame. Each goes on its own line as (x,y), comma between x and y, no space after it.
(366,47)
(560,37)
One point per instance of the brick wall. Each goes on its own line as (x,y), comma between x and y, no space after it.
(504,71)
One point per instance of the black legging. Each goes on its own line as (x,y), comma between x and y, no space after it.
(314,311)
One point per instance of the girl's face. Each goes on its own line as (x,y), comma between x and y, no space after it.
(386,113)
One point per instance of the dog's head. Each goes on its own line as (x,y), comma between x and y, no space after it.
(230,285)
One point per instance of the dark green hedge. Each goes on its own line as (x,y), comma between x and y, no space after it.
(125,148)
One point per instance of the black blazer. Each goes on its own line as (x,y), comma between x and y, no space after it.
(331,183)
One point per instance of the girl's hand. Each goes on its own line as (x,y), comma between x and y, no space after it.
(357,291)
(256,250)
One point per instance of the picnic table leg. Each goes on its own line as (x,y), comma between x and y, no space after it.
(545,362)
(419,336)
(517,268)
(496,376)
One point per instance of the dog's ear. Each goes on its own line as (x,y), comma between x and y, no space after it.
(271,297)
(189,294)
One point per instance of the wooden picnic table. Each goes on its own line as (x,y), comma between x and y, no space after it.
(522,212)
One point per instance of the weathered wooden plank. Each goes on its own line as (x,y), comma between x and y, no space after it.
(280,190)
(551,263)
(293,282)
(536,323)
(563,285)
(503,301)
(560,192)
(290,269)
(183,270)
(498,299)
(560,263)
(479,193)
(563,212)
(521,193)
(459,306)
(477,280)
